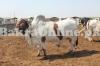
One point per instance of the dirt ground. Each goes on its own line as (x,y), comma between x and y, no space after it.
(14,51)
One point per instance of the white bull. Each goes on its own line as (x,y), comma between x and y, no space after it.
(93,28)
(42,29)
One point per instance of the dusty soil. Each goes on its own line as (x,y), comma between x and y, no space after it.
(14,51)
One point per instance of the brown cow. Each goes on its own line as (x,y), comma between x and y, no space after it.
(22,24)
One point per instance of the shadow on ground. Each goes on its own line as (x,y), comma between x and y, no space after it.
(76,54)
(96,40)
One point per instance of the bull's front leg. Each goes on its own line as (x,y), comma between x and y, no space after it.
(74,42)
(43,45)
(38,53)
(44,52)
(41,51)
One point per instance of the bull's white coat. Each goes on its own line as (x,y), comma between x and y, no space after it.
(40,28)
